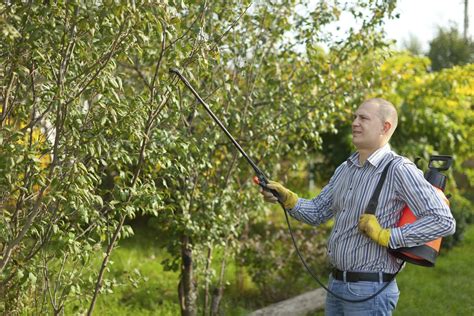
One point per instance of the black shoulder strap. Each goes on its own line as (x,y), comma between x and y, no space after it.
(374,200)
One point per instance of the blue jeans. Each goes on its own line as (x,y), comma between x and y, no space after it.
(382,304)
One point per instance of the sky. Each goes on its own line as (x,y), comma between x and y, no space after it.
(422,17)
(418,18)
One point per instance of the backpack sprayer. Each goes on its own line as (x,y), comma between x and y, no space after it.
(417,255)
(425,255)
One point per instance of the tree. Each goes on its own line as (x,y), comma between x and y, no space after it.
(434,108)
(61,69)
(124,138)
(449,48)
(466,20)
(412,44)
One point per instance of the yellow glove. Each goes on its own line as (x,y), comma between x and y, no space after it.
(369,226)
(287,197)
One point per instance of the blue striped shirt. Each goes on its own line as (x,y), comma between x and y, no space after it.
(346,196)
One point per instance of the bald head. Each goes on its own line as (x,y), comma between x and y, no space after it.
(386,112)
(374,122)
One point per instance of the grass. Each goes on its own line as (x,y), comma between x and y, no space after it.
(446,289)
(142,287)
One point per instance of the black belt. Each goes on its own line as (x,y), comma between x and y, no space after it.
(361,276)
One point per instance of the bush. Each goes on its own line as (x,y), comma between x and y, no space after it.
(462,212)
(273,263)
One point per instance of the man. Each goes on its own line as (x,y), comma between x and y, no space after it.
(358,244)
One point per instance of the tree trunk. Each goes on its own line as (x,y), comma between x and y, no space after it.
(216,300)
(311,179)
(219,289)
(239,272)
(466,19)
(187,289)
(206,287)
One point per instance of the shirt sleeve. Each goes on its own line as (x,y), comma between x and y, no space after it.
(434,218)
(317,210)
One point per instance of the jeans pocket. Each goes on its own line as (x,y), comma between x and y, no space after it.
(362,289)
(392,300)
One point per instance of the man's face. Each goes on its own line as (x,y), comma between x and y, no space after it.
(367,128)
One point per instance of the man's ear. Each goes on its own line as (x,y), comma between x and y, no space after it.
(386,127)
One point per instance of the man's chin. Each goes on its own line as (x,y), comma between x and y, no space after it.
(357,142)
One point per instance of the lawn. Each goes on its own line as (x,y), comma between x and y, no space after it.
(446,289)
(143,287)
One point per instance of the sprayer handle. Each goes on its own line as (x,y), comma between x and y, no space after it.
(448,161)
(262,182)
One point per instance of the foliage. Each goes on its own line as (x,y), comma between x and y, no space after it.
(449,48)
(462,212)
(94,131)
(435,115)
(59,64)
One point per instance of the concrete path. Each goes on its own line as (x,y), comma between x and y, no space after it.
(298,305)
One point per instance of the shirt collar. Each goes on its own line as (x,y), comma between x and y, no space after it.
(373,159)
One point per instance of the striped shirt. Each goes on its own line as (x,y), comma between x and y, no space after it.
(346,196)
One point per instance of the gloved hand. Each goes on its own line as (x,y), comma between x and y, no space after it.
(369,226)
(287,197)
